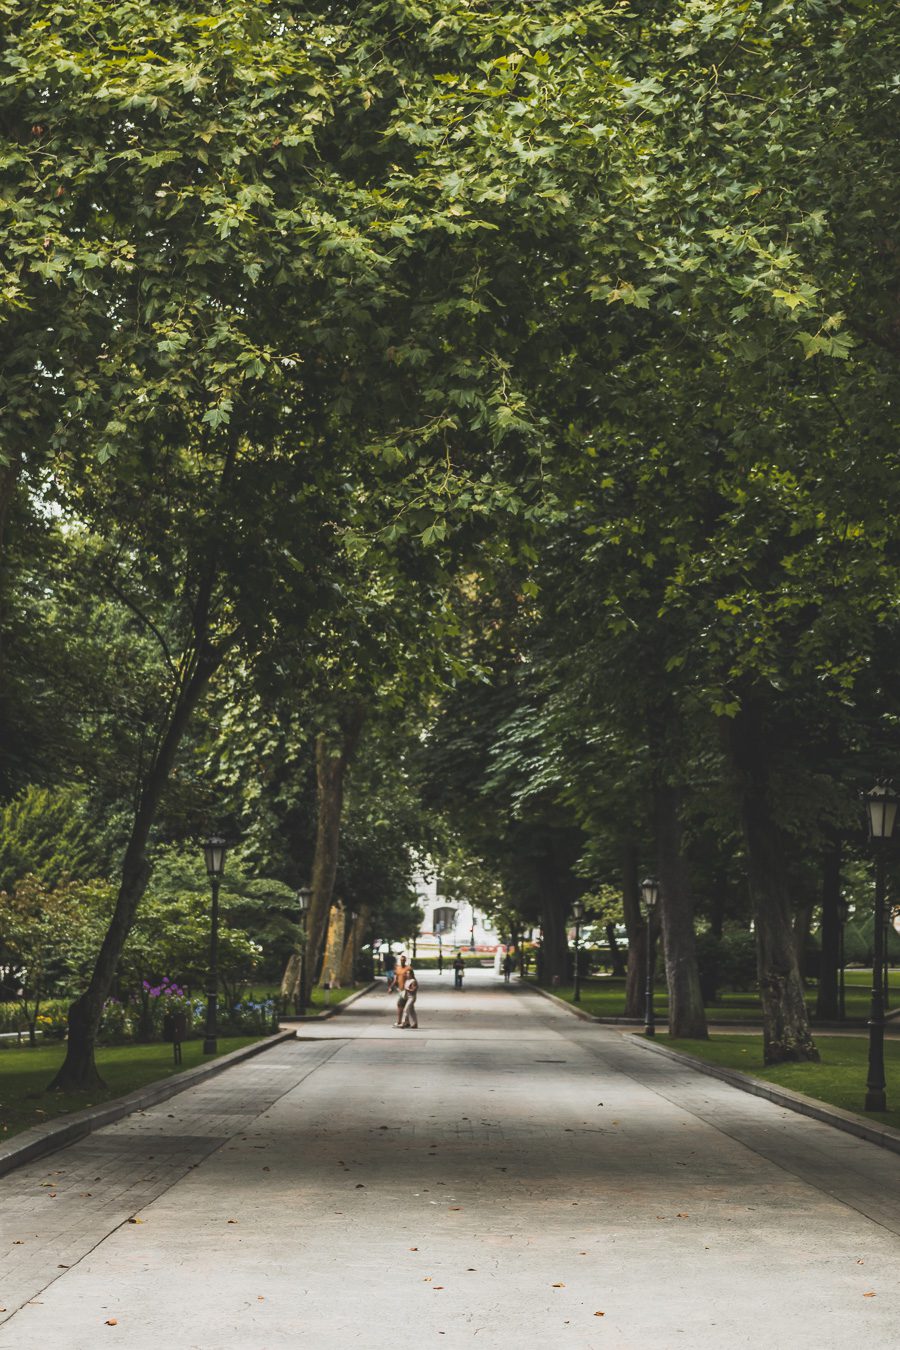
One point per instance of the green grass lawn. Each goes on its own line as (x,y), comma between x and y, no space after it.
(605,997)
(321,998)
(25,1073)
(840,1079)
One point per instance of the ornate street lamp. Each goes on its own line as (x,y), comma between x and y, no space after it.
(881,807)
(577,915)
(650,892)
(304,895)
(214,851)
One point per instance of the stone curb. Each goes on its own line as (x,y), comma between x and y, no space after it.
(329,1012)
(883,1135)
(40,1139)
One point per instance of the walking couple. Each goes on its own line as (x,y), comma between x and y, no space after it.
(407,986)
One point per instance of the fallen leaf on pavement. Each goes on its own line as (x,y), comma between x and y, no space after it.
(112,1321)
(870,1294)
(558,1286)
(232,1221)
(413,1249)
(455,1206)
(135,1219)
(682,1216)
(599,1314)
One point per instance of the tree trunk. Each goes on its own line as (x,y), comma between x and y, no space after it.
(717,904)
(554,937)
(829,958)
(334,947)
(802,930)
(332,761)
(8,477)
(352,944)
(290,980)
(687,1018)
(786,1032)
(636,928)
(78,1069)
(615,951)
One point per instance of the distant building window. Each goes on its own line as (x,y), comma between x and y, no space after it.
(444,919)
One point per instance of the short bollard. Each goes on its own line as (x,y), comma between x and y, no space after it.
(174,1029)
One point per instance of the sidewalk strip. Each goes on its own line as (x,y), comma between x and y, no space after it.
(873,1132)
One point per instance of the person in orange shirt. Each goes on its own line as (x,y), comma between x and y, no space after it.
(401,975)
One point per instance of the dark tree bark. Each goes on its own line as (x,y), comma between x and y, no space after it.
(717,904)
(636,928)
(554,936)
(687,1018)
(827,999)
(802,930)
(9,474)
(333,758)
(615,951)
(352,942)
(786,1031)
(79,1069)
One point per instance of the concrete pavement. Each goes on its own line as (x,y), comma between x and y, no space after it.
(503,1177)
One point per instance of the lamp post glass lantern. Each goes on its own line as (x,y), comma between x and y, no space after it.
(650,893)
(881,810)
(578,915)
(214,851)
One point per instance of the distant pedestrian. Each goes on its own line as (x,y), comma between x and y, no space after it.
(401,975)
(509,965)
(389,961)
(459,970)
(409,1020)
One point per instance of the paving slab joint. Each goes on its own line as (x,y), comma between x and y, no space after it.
(41,1139)
(872,1131)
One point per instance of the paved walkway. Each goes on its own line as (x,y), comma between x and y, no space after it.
(501,1177)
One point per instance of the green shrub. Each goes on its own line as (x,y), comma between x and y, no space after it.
(726,962)
(249,1017)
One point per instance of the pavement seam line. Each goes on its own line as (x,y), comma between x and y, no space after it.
(714,1124)
(174,1182)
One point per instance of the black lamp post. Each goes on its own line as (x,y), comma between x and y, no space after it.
(577,915)
(881,806)
(304,895)
(650,892)
(843,913)
(214,852)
